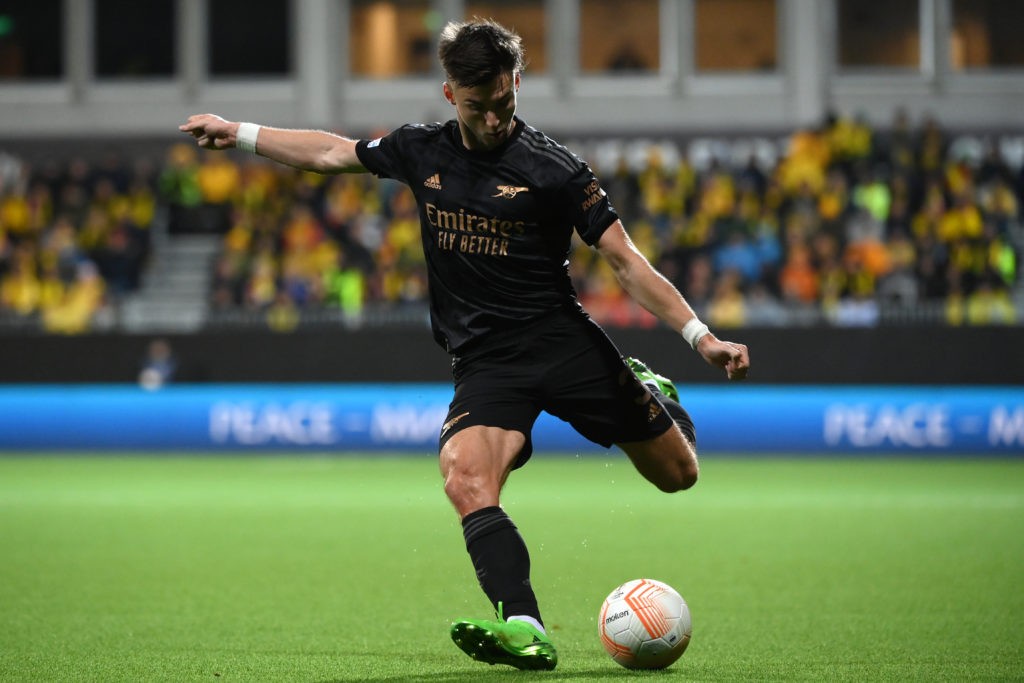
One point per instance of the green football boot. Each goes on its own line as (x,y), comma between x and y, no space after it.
(651,378)
(515,643)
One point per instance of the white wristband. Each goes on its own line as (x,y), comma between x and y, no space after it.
(693,331)
(245,138)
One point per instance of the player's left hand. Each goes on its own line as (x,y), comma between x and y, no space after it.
(733,358)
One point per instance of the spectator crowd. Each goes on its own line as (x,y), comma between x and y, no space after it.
(842,223)
(73,237)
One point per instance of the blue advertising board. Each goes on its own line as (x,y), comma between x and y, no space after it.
(406,417)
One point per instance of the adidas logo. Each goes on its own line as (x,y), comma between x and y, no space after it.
(433,182)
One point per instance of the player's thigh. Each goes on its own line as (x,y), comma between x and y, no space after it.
(669,461)
(475,463)
(492,392)
(589,385)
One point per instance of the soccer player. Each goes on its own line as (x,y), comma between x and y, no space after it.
(498,203)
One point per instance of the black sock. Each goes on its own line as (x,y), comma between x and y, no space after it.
(679,415)
(501,560)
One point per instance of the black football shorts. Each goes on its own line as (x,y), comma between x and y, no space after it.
(562,363)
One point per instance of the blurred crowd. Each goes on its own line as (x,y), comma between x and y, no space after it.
(845,224)
(73,237)
(295,241)
(841,223)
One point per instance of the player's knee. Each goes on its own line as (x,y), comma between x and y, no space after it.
(679,480)
(681,476)
(468,490)
(685,471)
(689,478)
(459,485)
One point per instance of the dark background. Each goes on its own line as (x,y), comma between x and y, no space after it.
(897,355)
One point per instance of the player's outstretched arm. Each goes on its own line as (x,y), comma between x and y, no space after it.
(309,150)
(655,293)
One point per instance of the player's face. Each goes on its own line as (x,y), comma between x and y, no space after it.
(485,111)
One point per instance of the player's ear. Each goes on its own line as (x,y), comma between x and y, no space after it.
(449,94)
(517,81)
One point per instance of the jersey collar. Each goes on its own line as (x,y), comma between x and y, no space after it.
(456,135)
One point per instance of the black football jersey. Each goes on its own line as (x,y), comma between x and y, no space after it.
(496,225)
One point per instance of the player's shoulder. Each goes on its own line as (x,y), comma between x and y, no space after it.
(414,132)
(546,152)
(411,143)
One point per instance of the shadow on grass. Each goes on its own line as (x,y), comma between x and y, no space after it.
(508,674)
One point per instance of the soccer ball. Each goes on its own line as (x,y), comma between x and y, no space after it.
(644,624)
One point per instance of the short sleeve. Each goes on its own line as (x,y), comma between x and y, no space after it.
(590,210)
(382,156)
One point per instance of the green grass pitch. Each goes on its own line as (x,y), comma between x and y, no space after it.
(340,568)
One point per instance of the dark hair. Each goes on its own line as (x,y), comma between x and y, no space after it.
(477,51)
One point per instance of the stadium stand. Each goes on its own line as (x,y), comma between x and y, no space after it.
(841,225)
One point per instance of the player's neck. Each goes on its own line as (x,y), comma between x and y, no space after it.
(471,143)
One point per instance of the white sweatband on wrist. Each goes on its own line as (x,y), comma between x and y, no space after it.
(245,138)
(693,331)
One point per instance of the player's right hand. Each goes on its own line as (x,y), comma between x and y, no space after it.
(210,131)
